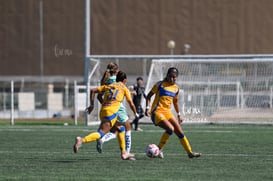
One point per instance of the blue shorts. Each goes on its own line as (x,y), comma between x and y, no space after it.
(122,114)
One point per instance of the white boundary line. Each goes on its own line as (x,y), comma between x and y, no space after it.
(168,154)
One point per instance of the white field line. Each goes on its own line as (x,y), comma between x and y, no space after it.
(46,129)
(90,130)
(204,155)
(237,155)
(197,131)
(218,154)
(148,131)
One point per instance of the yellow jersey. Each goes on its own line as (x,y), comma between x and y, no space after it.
(113,95)
(164,95)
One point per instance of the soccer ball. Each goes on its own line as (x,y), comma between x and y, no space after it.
(152,150)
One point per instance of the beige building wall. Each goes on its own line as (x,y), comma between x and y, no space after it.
(128,27)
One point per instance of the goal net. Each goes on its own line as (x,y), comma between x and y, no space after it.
(213,88)
(216,88)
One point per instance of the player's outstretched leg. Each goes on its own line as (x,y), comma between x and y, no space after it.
(185,143)
(89,138)
(164,138)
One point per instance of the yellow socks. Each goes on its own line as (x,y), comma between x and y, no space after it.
(121,139)
(164,138)
(91,137)
(182,138)
(185,143)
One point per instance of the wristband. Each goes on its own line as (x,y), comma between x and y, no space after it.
(137,115)
(178,114)
(148,107)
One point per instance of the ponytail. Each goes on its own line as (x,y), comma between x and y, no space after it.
(105,77)
(112,69)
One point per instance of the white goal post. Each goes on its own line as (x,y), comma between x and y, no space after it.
(213,87)
(220,86)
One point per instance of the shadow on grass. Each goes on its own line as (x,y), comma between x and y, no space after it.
(69,161)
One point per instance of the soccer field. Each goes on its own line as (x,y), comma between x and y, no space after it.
(44,152)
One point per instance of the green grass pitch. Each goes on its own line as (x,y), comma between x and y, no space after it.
(44,152)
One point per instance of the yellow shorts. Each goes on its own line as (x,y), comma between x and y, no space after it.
(106,115)
(159,116)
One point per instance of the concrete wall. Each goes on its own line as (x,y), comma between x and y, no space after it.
(127,27)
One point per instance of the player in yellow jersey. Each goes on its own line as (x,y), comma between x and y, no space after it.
(113,96)
(166,94)
(109,77)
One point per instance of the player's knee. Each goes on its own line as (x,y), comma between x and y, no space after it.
(181,135)
(170,129)
(169,132)
(121,129)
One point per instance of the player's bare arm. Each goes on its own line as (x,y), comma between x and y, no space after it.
(148,101)
(177,109)
(92,98)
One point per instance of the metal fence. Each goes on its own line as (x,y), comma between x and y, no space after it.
(36,97)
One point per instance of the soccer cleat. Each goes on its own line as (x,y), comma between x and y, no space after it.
(193,154)
(132,158)
(99,145)
(139,129)
(160,155)
(127,156)
(78,144)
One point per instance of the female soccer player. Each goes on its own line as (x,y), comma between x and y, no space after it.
(109,77)
(113,95)
(166,94)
